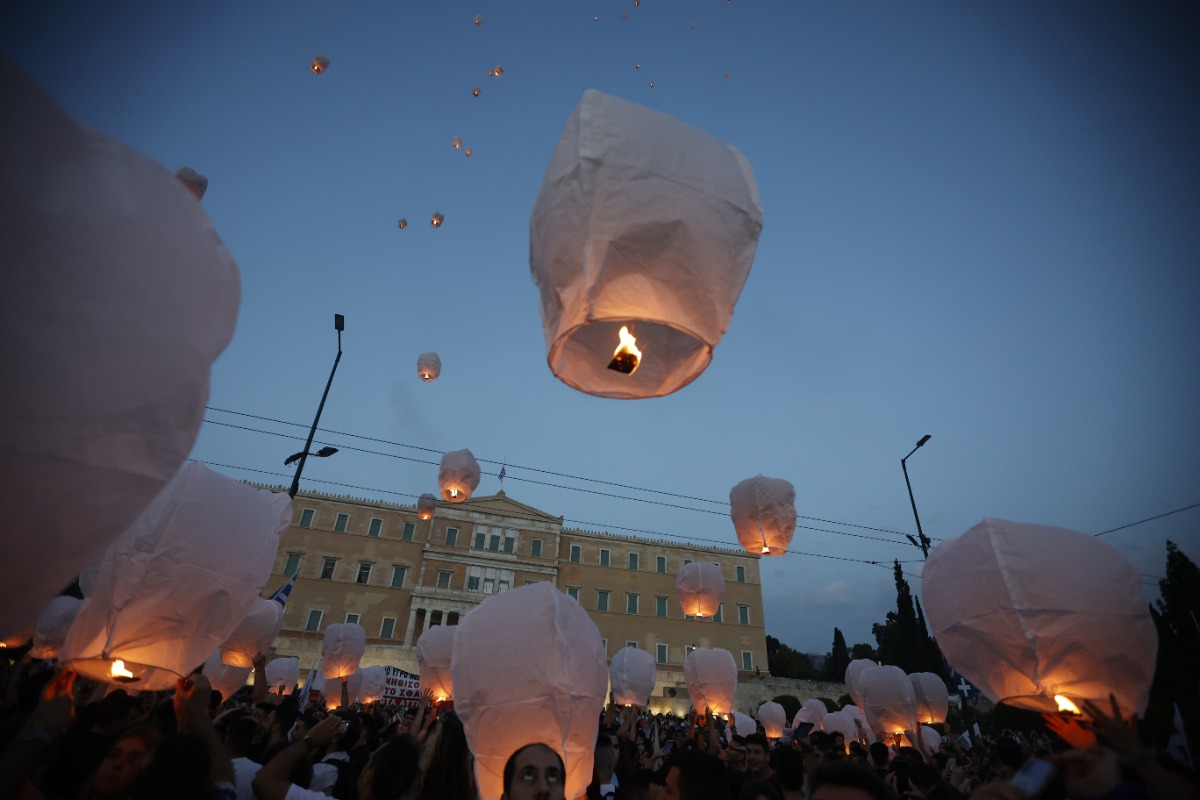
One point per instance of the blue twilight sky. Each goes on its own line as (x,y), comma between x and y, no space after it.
(980,224)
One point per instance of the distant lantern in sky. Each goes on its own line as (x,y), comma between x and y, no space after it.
(711,677)
(196,183)
(632,675)
(426,504)
(458,475)
(457,142)
(475,91)
(478,20)
(608,253)
(467,152)
(637,66)
(435,647)
(700,587)
(651,84)
(122,243)
(429,366)
(773,718)
(764,514)
(319,64)
(437,219)
(1041,617)
(402,223)
(933,700)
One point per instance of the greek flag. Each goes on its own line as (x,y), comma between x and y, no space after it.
(282,593)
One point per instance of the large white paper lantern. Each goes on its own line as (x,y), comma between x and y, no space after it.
(117,298)
(458,476)
(743,724)
(178,581)
(888,699)
(366,685)
(711,677)
(435,647)
(632,675)
(843,723)
(764,514)
(933,700)
(529,667)
(52,626)
(646,223)
(700,587)
(429,366)
(860,723)
(283,672)
(773,719)
(226,679)
(1029,613)
(854,672)
(342,649)
(930,738)
(813,711)
(254,634)
(426,504)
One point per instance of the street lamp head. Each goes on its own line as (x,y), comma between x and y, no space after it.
(325,452)
(292,459)
(339,325)
(924,439)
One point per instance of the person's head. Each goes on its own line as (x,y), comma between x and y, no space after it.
(848,780)
(446,762)
(757,753)
(822,742)
(695,775)
(880,754)
(180,768)
(789,766)
(735,755)
(839,741)
(605,757)
(759,790)
(239,734)
(122,763)
(390,771)
(534,772)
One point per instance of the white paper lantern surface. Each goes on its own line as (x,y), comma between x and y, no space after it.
(711,677)
(366,685)
(435,647)
(773,718)
(429,366)
(426,504)
(641,222)
(813,711)
(283,672)
(1029,613)
(764,514)
(254,634)
(700,586)
(458,476)
(342,650)
(52,626)
(631,676)
(743,724)
(226,679)
(888,699)
(854,672)
(529,667)
(843,723)
(933,700)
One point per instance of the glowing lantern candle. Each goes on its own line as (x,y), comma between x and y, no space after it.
(319,64)
(933,700)
(478,20)
(1029,612)
(94,232)
(52,626)
(196,183)
(224,678)
(437,219)
(700,587)
(743,724)
(888,699)
(283,673)
(529,667)
(773,718)
(642,222)
(429,366)
(764,514)
(711,677)
(342,649)
(632,675)
(435,647)
(457,142)
(254,634)
(458,476)
(426,505)
(179,580)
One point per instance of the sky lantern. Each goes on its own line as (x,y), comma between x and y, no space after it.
(224,678)
(529,667)
(812,711)
(254,634)
(475,91)
(426,505)
(95,231)
(467,152)
(458,475)
(457,142)
(860,722)
(1041,617)
(764,514)
(435,647)
(178,581)
(367,684)
(402,223)
(607,250)
(196,183)
(854,671)
(632,675)
(930,738)
(478,20)
(711,677)
(52,626)
(933,701)
(429,366)
(319,64)
(743,724)
(342,649)
(841,722)
(437,219)
(888,699)
(773,718)
(283,673)
(700,587)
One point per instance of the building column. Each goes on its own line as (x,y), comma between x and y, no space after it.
(408,632)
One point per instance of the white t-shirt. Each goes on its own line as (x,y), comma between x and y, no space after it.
(244,771)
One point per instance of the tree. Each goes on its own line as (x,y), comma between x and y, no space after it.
(838,658)
(863,650)
(903,639)
(785,662)
(1177,617)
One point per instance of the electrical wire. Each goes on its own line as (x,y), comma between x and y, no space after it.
(1149,519)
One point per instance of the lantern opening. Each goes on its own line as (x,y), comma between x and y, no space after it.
(626,357)
(1065,705)
(454,492)
(766,551)
(426,376)
(119,673)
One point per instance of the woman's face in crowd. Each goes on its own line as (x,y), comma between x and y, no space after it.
(120,766)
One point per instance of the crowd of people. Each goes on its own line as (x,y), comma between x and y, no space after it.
(64,737)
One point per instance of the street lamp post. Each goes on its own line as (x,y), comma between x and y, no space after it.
(339,324)
(924,543)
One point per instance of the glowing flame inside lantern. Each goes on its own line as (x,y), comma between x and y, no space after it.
(401,223)
(436,220)
(626,357)
(454,492)
(441,698)
(1066,705)
(119,672)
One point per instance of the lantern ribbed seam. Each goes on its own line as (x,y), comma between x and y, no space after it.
(1004,573)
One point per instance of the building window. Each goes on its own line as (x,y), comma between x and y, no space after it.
(510,542)
(687,650)
(602,600)
(314,621)
(661,653)
(387,628)
(376,527)
(660,606)
(631,603)
(489,585)
(747,660)
(633,560)
(687,561)
(575,553)
(720,615)
(743,615)
(327,569)
(535,548)
(480,541)
(605,643)
(494,543)
(409,529)
(660,565)
(364,572)
(473,583)
(741,574)
(502,586)
(451,537)
(603,557)
(352,619)
(293,564)
(398,574)
(306,517)
(443,579)
(631,644)
(573,591)
(339,525)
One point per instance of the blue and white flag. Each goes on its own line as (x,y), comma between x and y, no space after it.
(503,472)
(965,689)
(283,592)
